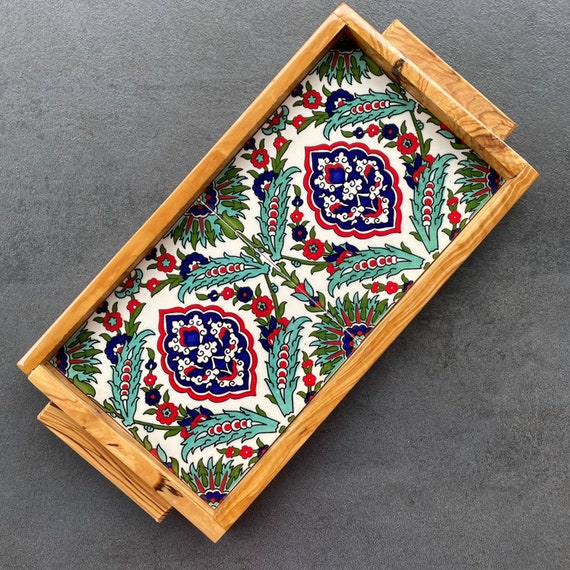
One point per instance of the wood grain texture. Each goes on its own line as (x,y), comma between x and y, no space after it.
(188,190)
(473,101)
(106,463)
(427,90)
(118,442)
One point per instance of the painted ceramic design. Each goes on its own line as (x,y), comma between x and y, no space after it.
(236,319)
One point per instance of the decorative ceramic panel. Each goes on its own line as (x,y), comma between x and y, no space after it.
(217,340)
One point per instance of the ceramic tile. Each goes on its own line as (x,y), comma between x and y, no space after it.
(269,282)
(354,188)
(202,353)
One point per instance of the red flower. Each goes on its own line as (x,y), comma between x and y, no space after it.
(259,158)
(307,364)
(113,321)
(166,262)
(453,201)
(152,284)
(246,452)
(227,293)
(150,379)
(167,413)
(284,322)
(261,306)
(133,305)
(373,130)
(279,142)
(429,159)
(309,380)
(313,249)
(312,99)
(408,143)
(230,451)
(391,287)
(298,121)
(454,217)
(296,216)
(375,287)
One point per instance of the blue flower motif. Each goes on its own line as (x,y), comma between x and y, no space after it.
(298,91)
(358,133)
(202,208)
(250,144)
(299,233)
(309,397)
(297,201)
(213,295)
(263,182)
(115,346)
(194,417)
(390,131)
(150,365)
(244,294)
(336,99)
(267,333)
(61,360)
(189,261)
(213,497)
(151,254)
(103,307)
(493,180)
(351,336)
(411,168)
(152,397)
(453,233)
(341,251)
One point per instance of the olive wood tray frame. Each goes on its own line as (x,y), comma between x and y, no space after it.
(84,426)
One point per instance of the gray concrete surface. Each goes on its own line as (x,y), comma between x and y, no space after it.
(452,452)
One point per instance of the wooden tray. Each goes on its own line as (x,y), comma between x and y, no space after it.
(224,332)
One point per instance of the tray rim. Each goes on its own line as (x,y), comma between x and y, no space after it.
(478,122)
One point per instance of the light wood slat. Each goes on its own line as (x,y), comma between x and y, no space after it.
(431,95)
(458,88)
(106,463)
(189,189)
(118,442)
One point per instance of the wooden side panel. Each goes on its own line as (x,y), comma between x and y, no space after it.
(462,91)
(107,464)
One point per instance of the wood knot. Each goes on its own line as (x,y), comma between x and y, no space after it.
(397,68)
(162,486)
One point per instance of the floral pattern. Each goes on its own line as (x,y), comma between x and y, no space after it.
(233,322)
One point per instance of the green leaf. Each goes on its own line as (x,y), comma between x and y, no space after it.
(85,387)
